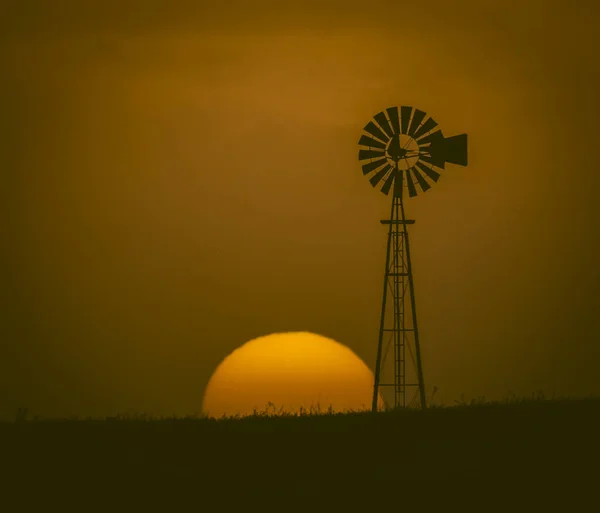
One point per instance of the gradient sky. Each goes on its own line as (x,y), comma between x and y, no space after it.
(179,180)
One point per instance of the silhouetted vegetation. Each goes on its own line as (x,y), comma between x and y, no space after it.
(342,457)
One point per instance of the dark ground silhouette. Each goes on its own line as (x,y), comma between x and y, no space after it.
(543,452)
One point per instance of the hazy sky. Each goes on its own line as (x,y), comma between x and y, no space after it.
(178,180)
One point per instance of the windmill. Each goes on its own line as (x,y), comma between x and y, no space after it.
(403,149)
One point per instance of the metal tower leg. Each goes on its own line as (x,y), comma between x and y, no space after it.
(382,319)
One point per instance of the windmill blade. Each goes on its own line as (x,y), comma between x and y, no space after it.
(375,131)
(431,138)
(372,166)
(412,192)
(418,116)
(365,140)
(389,181)
(399,184)
(435,153)
(422,182)
(405,113)
(384,123)
(455,149)
(434,175)
(370,154)
(394,119)
(429,125)
(435,158)
(376,178)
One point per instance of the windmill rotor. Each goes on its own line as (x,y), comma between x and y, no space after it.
(404,147)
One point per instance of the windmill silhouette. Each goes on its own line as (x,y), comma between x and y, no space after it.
(403,149)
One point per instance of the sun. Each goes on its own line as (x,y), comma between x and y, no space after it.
(291,372)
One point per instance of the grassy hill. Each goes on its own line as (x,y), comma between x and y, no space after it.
(539,449)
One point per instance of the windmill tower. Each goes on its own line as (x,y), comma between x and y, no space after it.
(403,149)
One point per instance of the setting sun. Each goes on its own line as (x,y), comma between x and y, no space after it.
(293,372)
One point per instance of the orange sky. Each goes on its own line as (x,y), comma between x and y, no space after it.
(179,181)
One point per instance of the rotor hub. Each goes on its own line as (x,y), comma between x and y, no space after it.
(402,151)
